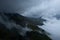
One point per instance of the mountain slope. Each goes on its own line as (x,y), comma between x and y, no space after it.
(14,26)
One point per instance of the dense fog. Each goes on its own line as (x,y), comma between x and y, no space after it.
(47,9)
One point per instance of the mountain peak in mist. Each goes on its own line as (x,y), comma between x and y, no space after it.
(14,26)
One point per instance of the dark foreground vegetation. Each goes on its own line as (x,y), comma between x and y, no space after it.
(12,27)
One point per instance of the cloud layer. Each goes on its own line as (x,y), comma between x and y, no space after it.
(49,10)
(45,8)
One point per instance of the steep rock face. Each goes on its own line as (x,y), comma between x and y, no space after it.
(14,26)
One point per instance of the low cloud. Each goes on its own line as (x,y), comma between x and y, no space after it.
(49,10)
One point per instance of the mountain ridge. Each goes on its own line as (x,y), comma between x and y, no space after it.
(18,27)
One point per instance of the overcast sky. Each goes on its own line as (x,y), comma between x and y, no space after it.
(17,5)
(48,9)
